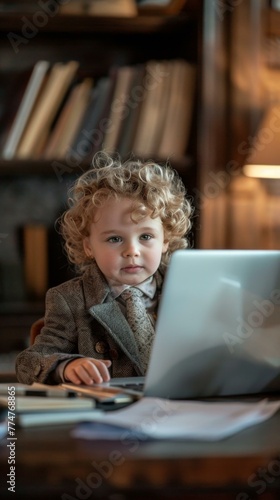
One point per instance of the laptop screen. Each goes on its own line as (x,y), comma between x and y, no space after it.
(218,328)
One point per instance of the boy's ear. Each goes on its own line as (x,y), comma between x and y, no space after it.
(165,246)
(87,247)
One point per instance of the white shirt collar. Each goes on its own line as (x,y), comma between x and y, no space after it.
(148,287)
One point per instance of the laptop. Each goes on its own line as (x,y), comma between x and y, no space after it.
(218,327)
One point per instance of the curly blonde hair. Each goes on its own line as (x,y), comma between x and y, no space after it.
(155,190)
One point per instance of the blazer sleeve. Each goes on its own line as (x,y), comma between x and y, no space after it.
(57,342)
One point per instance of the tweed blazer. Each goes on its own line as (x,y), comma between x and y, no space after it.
(81,320)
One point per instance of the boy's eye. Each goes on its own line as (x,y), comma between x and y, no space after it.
(145,236)
(114,239)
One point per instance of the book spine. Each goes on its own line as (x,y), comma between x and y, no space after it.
(35,247)
(28,101)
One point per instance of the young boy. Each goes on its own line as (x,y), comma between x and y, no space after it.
(123,223)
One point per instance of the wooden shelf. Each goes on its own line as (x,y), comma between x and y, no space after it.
(11,168)
(25,308)
(92,25)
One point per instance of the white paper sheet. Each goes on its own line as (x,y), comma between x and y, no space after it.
(157,418)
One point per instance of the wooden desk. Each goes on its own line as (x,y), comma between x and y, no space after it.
(52,465)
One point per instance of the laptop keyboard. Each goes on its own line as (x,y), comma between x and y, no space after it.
(139,387)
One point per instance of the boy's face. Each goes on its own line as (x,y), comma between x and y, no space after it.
(125,252)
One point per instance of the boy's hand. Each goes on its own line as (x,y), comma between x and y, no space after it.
(87,371)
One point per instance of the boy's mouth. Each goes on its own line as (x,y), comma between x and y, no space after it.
(132,268)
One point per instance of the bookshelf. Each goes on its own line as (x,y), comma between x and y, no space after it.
(31,192)
(238,211)
(116,41)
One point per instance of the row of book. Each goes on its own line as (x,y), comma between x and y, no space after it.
(145,109)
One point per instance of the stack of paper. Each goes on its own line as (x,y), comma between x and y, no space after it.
(156,418)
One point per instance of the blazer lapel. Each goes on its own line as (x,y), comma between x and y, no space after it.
(110,316)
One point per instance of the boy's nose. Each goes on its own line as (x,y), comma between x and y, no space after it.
(131,250)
